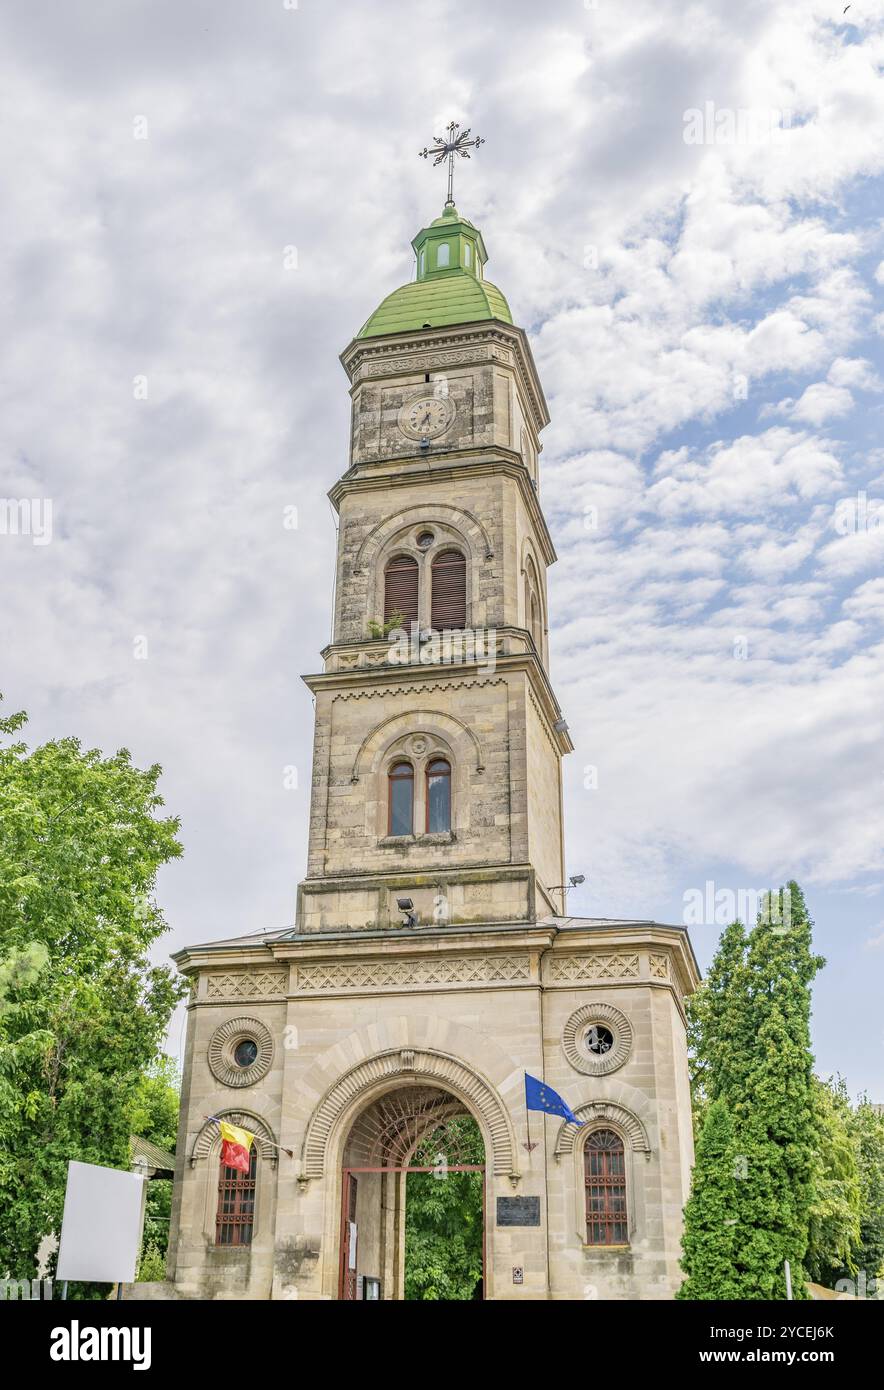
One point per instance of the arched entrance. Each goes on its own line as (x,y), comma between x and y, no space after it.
(397,1223)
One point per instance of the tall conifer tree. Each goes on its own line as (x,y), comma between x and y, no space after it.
(751,1033)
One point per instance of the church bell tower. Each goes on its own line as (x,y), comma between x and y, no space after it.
(438,746)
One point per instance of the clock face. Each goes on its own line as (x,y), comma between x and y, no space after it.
(427,417)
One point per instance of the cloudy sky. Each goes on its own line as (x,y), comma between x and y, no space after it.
(683,204)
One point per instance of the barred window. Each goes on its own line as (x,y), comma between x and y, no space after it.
(604,1164)
(236,1203)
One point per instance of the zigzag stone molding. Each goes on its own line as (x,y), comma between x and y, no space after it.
(628,1123)
(391,974)
(609,965)
(222,1044)
(579,1056)
(386,690)
(414,1064)
(208,1137)
(248,984)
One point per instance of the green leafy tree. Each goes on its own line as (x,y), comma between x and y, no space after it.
(836,1207)
(80,846)
(710,1245)
(443,1223)
(751,1032)
(155,1117)
(867,1127)
(716,1027)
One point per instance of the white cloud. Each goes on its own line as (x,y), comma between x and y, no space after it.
(818,403)
(866,603)
(751,474)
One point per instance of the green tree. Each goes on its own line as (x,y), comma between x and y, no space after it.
(155,1117)
(443,1221)
(867,1127)
(836,1207)
(80,846)
(716,1026)
(710,1247)
(751,1033)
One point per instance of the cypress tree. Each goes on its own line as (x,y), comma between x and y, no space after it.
(710,1253)
(751,1030)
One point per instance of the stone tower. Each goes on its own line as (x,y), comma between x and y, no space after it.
(441,493)
(430,966)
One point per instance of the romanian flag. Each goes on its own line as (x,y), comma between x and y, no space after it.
(235,1145)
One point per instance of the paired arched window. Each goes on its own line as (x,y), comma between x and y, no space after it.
(401,588)
(604,1169)
(235,1218)
(400,802)
(438,796)
(400,797)
(448,608)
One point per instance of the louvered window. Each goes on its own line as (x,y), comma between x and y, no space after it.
(401,588)
(235,1217)
(449,609)
(605,1180)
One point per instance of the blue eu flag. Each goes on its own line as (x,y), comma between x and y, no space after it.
(539,1096)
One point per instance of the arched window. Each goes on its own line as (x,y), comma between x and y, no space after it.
(438,795)
(604,1166)
(423,262)
(235,1219)
(467,253)
(533,610)
(536,628)
(449,605)
(401,588)
(401,799)
(443,256)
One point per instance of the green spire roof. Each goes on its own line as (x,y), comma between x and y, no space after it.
(450,285)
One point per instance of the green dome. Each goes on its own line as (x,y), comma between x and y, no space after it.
(459,298)
(450,286)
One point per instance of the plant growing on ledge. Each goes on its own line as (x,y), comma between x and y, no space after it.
(376,629)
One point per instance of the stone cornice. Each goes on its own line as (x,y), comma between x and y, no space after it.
(395,349)
(406,469)
(507,955)
(367,681)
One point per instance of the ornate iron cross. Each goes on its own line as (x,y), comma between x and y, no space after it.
(446,149)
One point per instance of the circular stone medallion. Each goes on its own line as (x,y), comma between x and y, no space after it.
(240,1052)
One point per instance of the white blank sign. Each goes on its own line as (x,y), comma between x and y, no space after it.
(101,1227)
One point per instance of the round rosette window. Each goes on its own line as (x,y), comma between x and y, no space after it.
(597,1039)
(240,1052)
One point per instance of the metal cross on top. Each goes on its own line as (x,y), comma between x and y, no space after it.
(446,149)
